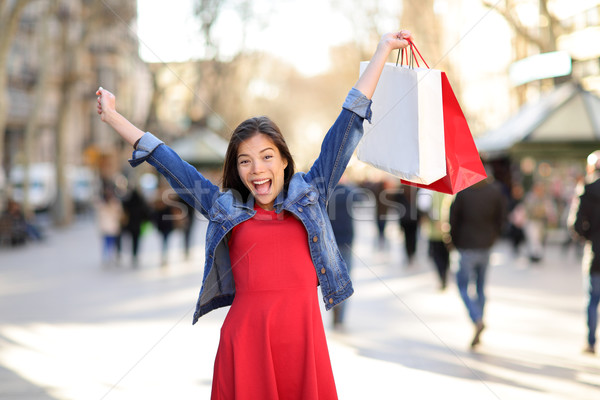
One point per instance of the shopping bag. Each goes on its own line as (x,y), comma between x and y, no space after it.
(406,133)
(463,164)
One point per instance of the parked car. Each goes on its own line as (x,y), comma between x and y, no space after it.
(43,186)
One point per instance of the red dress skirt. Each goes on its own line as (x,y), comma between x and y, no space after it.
(272,342)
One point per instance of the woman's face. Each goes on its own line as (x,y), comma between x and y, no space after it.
(261,169)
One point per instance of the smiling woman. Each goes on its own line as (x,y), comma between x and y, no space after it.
(269,244)
(261,168)
(258,162)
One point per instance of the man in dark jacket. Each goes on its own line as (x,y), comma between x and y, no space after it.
(477,215)
(587,225)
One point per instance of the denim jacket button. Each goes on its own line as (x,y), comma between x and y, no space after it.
(315,239)
(323,270)
(299,209)
(330,301)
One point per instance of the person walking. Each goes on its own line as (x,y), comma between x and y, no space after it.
(109,214)
(269,244)
(135,213)
(477,216)
(432,204)
(185,223)
(164,215)
(339,209)
(587,226)
(409,220)
(379,189)
(540,212)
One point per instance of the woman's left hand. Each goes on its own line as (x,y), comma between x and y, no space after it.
(396,40)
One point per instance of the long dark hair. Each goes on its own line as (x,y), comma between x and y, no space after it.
(246,130)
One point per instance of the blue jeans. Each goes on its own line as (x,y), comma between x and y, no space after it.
(109,249)
(592,310)
(472,268)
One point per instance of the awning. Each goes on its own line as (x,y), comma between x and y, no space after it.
(563,122)
(202,148)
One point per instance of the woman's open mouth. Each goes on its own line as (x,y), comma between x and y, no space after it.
(262,187)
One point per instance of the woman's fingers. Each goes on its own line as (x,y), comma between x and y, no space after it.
(106,100)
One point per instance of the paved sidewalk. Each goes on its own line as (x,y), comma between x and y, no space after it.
(70,329)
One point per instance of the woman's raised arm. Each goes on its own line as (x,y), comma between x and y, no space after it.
(369,78)
(108,113)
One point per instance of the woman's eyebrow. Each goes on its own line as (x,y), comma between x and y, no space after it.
(262,151)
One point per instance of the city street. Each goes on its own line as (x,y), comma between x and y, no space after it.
(73,329)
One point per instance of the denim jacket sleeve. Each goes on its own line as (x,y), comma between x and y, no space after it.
(339,143)
(188,183)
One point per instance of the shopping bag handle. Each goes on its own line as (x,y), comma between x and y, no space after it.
(413,58)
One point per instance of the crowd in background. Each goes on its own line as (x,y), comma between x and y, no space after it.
(536,208)
(534,211)
(125,214)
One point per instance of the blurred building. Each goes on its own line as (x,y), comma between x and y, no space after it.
(581,41)
(555,123)
(68,48)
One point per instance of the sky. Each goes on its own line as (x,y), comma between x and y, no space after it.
(299,31)
(302,31)
(168,32)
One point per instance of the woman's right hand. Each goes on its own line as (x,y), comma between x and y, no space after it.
(108,113)
(106,103)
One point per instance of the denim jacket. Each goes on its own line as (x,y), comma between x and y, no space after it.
(306,198)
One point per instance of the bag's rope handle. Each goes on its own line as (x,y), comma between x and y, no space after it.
(413,49)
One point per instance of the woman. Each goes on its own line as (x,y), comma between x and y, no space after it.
(269,243)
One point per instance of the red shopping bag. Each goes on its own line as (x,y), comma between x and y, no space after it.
(463,164)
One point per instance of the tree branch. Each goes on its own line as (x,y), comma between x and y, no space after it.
(516,24)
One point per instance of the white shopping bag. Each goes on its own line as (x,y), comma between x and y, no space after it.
(406,136)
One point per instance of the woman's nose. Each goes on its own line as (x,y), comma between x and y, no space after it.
(257,167)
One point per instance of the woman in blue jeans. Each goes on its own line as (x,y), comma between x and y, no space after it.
(269,244)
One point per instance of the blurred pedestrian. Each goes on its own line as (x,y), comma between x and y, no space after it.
(477,216)
(135,213)
(431,204)
(517,217)
(258,258)
(587,226)
(109,213)
(573,240)
(164,215)
(540,211)
(409,220)
(185,223)
(379,189)
(13,226)
(339,209)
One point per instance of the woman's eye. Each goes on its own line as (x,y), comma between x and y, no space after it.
(242,162)
(268,157)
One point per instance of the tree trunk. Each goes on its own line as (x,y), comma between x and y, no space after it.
(73,51)
(9,21)
(39,98)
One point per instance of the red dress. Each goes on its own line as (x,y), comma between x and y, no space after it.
(272,342)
